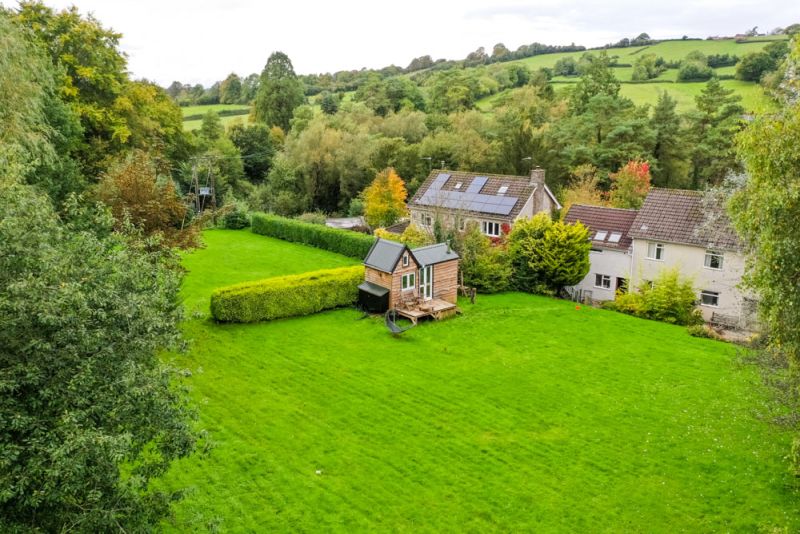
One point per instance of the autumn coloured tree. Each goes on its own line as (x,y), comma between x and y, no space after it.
(629,186)
(385,199)
(135,194)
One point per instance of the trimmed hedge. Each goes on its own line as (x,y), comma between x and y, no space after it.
(344,242)
(287,296)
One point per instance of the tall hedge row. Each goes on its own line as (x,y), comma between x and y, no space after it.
(287,296)
(344,242)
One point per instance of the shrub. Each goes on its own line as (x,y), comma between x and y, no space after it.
(235,220)
(312,217)
(287,296)
(483,266)
(670,300)
(351,244)
(547,255)
(704,331)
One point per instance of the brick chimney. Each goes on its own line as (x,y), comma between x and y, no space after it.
(537,176)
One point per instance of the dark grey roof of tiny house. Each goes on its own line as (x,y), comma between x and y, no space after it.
(384,255)
(433,254)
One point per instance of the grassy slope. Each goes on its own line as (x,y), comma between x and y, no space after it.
(522,414)
(753,98)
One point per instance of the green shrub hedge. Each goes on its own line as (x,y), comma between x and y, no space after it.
(344,242)
(287,296)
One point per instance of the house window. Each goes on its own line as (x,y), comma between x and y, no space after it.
(614,237)
(408,282)
(709,298)
(713,260)
(492,229)
(602,280)
(597,250)
(600,236)
(502,190)
(655,251)
(405,260)
(426,220)
(458,185)
(462,224)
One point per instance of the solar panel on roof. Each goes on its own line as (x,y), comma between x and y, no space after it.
(477,184)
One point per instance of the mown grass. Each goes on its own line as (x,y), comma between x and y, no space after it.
(524,414)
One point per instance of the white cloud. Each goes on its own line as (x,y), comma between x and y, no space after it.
(203,40)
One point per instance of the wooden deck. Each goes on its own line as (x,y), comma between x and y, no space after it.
(436,308)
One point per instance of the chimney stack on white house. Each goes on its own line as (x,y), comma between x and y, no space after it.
(537,176)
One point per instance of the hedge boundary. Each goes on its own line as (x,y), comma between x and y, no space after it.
(345,242)
(287,296)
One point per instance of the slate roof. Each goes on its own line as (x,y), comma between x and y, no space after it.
(604,219)
(518,187)
(384,255)
(433,254)
(678,216)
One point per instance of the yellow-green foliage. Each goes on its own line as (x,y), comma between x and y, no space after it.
(671,299)
(287,296)
(344,242)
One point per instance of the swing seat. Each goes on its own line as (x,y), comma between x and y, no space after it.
(391,323)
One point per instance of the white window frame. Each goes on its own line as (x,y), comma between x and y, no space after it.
(603,278)
(458,185)
(405,259)
(614,237)
(712,294)
(712,254)
(655,251)
(600,235)
(408,282)
(503,190)
(490,228)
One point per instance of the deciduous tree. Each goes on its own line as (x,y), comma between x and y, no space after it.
(385,199)
(91,416)
(630,185)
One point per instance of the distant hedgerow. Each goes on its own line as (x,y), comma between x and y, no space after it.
(344,242)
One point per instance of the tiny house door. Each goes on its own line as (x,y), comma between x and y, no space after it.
(426,282)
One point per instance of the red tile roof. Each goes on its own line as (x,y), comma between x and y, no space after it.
(604,219)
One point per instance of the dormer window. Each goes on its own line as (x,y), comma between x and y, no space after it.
(405,259)
(458,186)
(502,190)
(600,235)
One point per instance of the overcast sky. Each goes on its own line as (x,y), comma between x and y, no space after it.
(201,41)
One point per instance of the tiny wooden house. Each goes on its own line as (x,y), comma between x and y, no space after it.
(403,278)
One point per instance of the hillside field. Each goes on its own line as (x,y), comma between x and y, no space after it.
(227,120)
(525,413)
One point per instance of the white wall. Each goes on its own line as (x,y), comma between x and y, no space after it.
(690,261)
(614,263)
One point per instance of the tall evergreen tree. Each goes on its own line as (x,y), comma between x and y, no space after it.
(712,129)
(670,165)
(279,92)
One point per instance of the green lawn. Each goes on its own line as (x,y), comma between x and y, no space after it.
(523,414)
